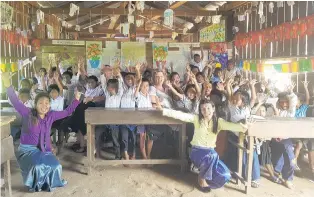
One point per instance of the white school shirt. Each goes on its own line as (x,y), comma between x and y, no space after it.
(98,91)
(199,65)
(128,98)
(293,100)
(57,104)
(40,84)
(29,104)
(113,101)
(143,101)
(164,98)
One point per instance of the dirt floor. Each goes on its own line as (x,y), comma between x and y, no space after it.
(140,181)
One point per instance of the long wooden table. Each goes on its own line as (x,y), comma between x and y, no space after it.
(271,128)
(101,116)
(7,151)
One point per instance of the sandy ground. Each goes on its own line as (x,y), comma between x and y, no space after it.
(140,181)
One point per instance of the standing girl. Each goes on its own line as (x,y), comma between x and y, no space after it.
(40,168)
(213,172)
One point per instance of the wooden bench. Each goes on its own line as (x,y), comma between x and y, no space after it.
(7,151)
(270,128)
(101,116)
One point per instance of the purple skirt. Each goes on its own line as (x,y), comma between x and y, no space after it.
(211,168)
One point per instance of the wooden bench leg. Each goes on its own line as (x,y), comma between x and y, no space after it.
(182,147)
(250,164)
(7,179)
(240,156)
(90,147)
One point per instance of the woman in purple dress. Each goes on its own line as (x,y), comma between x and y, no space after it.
(40,168)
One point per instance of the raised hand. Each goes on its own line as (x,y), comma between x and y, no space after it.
(291,86)
(56,76)
(253,82)
(168,83)
(305,84)
(220,86)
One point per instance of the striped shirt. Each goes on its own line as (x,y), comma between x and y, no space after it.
(143,101)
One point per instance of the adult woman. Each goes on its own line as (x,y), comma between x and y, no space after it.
(40,168)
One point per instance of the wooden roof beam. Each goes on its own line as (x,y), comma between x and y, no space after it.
(112,31)
(146,12)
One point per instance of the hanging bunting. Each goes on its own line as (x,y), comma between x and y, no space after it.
(74,9)
(216,19)
(168,18)
(198,19)
(90,30)
(271,7)
(209,19)
(312,62)
(295,66)
(241,17)
(261,9)
(130,19)
(285,68)
(139,23)
(131,8)
(253,67)
(290,3)
(279,4)
(305,65)
(174,35)
(77,28)
(40,16)
(260,68)
(140,5)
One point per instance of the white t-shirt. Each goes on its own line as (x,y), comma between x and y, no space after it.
(199,65)
(57,104)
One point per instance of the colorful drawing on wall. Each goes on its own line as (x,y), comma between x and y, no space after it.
(160,53)
(213,33)
(93,57)
(133,52)
(221,58)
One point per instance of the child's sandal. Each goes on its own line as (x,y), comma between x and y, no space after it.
(255,184)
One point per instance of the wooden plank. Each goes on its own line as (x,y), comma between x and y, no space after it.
(7,179)
(182,149)
(240,154)
(98,162)
(7,149)
(100,116)
(90,148)
(146,12)
(249,165)
(283,128)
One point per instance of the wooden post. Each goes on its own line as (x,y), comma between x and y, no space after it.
(240,156)
(7,179)
(249,164)
(90,147)
(182,149)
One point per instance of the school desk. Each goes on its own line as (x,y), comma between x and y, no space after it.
(101,116)
(270,128)
(7,151)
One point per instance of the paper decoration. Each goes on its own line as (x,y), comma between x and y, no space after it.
(130,19)
(133,52)
(261,9)
(185,30)
(139,23)
(101,21)
(290,3)
(218,47)
(253,67)
(77,28)
(90,30)
(305,65)
(125,28)
(295,66)
(216,19)
(285,68)
(255,3)
(285,31)
(279,4)
(235,29)
(241,17)
(140,5)
(160,53)
(262,19)
(240,65)
(213,33)
(2,67)
(271,7)
(40,16)
(198,19)
(260,68)
(189,25)
(168,18)
(174,35)
(151,34)
(74,9)
(64,23)
(6,14)
(131,8)
(93,57)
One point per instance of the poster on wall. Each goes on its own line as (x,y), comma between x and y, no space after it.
(214,33)
(160,53)
(133,52)
(6,14)
(93,57)
(111,54)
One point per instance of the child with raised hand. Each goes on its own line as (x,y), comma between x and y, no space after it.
(41,76)
(40,168)
(213,172)
(143,100)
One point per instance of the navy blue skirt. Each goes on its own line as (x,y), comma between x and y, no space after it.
(211,168)
(40,171)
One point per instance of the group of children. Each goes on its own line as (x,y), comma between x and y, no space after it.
(206,98)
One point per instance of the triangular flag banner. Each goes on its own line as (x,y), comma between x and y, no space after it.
(246,65)
(14,67)
(253,67)
(278,67)
(285,68)
(295,67)
(260,68)
(2,66)
(312,61)
(305,65)
(240,64)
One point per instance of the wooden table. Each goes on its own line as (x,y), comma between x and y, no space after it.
(7,151)
(271,128)
(101,116)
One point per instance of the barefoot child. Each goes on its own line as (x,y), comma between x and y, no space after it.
(213,172)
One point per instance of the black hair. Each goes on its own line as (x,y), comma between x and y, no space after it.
(115,83)
(34,80)
(214,117)
(44,70)
(223,111)
(53,69)
(68,73)
(93,77)
(34,112)
(173,74)
(244,96)
(196,55)
(53,87)
(24,91)
(26,80)
(69,69)
(189,86)
(145,80)
(193,67)
(217,70)
(200,73)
